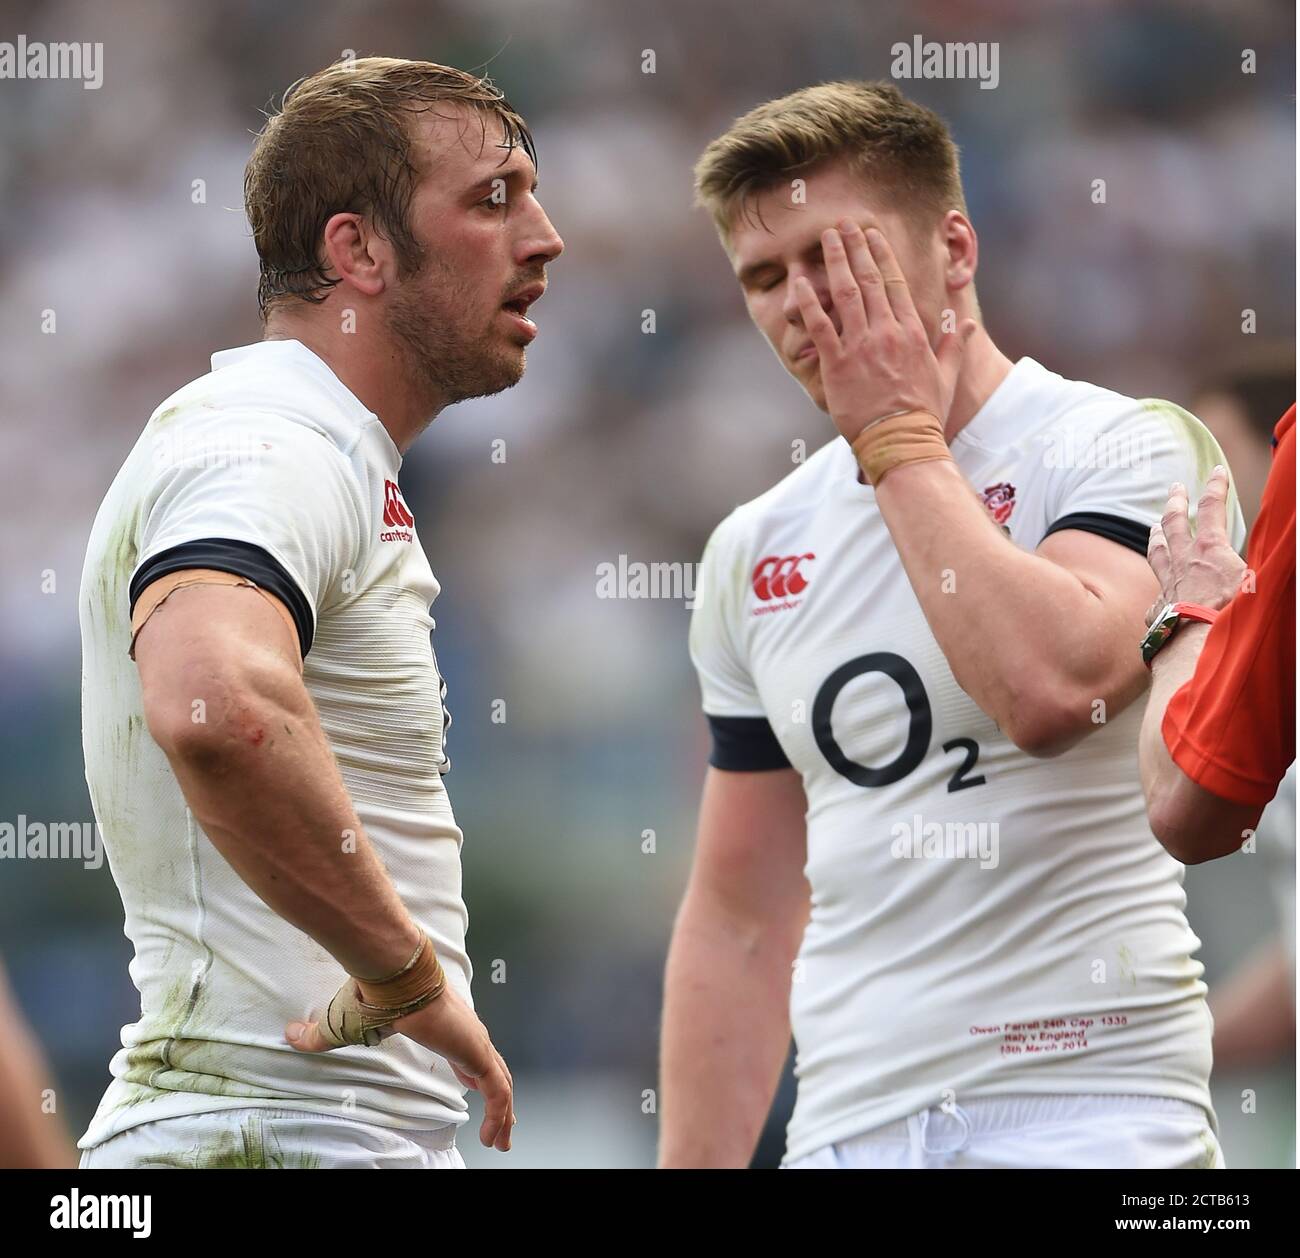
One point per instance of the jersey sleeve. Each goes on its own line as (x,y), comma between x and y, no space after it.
(743,739)
(265,498)
(1231,728)
(1112,471)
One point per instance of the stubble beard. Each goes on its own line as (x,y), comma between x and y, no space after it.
(446,360)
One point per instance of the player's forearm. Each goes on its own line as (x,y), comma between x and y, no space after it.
(1019,632)
(726,1035)
(260,778)
(1171,668)
(1193,824)
(1254,1011)
(32,1134)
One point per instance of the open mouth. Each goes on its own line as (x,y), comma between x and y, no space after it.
(517,308)
(524,327)
(521,300)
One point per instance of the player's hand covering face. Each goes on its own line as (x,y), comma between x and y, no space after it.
(880,362)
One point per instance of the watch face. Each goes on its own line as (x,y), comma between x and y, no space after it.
(1160,632)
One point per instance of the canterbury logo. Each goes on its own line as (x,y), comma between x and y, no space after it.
(396,512)
(777,576)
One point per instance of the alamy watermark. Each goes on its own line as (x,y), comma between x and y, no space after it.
(32,59)
(239,452)
(631,578)
(124,1212)
(59,840)
(1104,451)
(919,839)
(927,59)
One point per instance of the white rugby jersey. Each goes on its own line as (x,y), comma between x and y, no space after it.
(983,922)
(271,468)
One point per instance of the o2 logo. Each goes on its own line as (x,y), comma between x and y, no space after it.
(919,729)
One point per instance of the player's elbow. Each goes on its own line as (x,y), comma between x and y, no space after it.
(1195,830)
(1043,743)
(186,735)
(1180,836)
(1044,727)
(1043,714)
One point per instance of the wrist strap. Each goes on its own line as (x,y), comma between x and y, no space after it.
(1196,611)
(906,437)
(357,1018)
(409,983)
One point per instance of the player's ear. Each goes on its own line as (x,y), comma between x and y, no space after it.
(963,250)
(357,254)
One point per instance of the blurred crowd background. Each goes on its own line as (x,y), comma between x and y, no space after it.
(618,442)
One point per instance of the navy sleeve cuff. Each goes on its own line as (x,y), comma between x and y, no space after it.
(1113,528)
(745,744)
(244,560)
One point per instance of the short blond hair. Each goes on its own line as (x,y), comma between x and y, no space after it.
(900,149)
(340,143)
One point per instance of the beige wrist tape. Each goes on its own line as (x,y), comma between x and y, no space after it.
(356,1019)
(909,437)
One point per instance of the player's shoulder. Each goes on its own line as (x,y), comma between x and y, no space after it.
(801,490)
(1074,424)
(1079,406)
(257,429)
(275,394)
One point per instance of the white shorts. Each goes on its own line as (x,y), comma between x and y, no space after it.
(257,1139)
(1095,1132)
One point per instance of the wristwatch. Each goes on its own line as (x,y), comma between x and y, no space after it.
(1165,624)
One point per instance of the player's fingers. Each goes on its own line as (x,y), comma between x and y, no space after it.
(816,321)
(846,290)
(511,1118)
(1158,556)
(498,1097)
(306,1037)
(895,286)
(1212,510)
(1177,532)
(488,1086)
(871,284)
(508,1126)
(508,1130)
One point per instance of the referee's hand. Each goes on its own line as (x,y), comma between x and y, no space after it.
(450,1028)
(1203,569)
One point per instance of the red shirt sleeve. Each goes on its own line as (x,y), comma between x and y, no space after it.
(1231,728)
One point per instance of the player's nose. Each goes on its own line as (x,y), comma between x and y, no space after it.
(542,242)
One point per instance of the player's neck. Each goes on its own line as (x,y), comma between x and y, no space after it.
(983,368)
(375,374)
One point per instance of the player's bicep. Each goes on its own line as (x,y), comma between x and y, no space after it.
(152,597)
(1121,581)
(1116,573)
(751,847)
(208,646)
